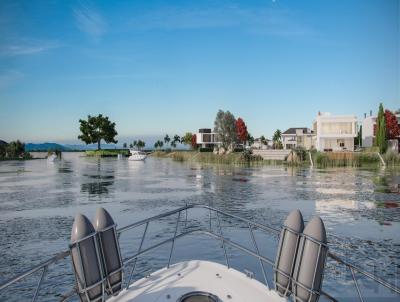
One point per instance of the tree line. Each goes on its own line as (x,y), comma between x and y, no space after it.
(13,150)
(230,131)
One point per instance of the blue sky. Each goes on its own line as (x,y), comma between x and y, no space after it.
(157,67)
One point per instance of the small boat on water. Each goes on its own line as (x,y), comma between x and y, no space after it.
(137,155)
(101,273)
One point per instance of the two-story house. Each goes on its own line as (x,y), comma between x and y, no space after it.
(334,132)
(297,137)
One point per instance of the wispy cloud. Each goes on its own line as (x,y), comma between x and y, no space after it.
(27,47)
(90,21)
(9,78)
(264,20)
(107,76)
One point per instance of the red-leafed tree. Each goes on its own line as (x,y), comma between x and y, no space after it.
(392,126)
(194,141)
(241,130)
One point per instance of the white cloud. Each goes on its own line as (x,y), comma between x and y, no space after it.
(27,47)
(90,21)
(262,20)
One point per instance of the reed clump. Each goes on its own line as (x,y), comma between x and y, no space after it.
(392,158)
(345,159)
(237,158)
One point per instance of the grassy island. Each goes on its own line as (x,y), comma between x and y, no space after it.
(107,153)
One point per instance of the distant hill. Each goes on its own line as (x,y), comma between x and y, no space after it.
(45,147)
(67,147)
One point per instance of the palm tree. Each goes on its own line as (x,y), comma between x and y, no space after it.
(131,146)
(176,140)
(135,143)
(124,145)
(277,135)
(277,139)
(140,144)
(158,144)
(167,139)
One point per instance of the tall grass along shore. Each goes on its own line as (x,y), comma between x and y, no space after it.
(238,158)
(320,159)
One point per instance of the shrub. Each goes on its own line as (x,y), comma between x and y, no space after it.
(301,153)
(238,149)
(205,150)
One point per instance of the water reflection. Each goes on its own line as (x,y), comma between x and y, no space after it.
(97,179)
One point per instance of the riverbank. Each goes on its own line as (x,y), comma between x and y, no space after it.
(354,159)
(319,159)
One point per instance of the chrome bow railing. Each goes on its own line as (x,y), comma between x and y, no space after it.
(132,260)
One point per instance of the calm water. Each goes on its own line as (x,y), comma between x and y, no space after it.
(38,201)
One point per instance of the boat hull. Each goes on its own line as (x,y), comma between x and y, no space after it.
(137,157)
(170,284)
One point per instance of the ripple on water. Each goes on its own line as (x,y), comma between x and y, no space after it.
(359,207)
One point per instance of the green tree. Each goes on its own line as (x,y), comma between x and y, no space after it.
(380,139)
(263,140)
(225,128)
(140,144)
(359,136)
(124,145)
(131,146)
(250,139)
(97,128)
(15,149)
(187,138)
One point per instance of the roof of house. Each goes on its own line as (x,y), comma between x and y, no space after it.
(293,130)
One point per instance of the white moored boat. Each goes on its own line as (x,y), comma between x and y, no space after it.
(137,155)
(52,158)
(102,274)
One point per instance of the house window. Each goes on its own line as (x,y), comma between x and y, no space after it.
(207,138)
(336,128)
(340,142)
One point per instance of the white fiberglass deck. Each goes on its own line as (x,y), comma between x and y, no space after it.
(169,284)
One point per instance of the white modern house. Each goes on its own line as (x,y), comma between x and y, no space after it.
(368,131)
(297,137)
(334,132)
(205,138)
